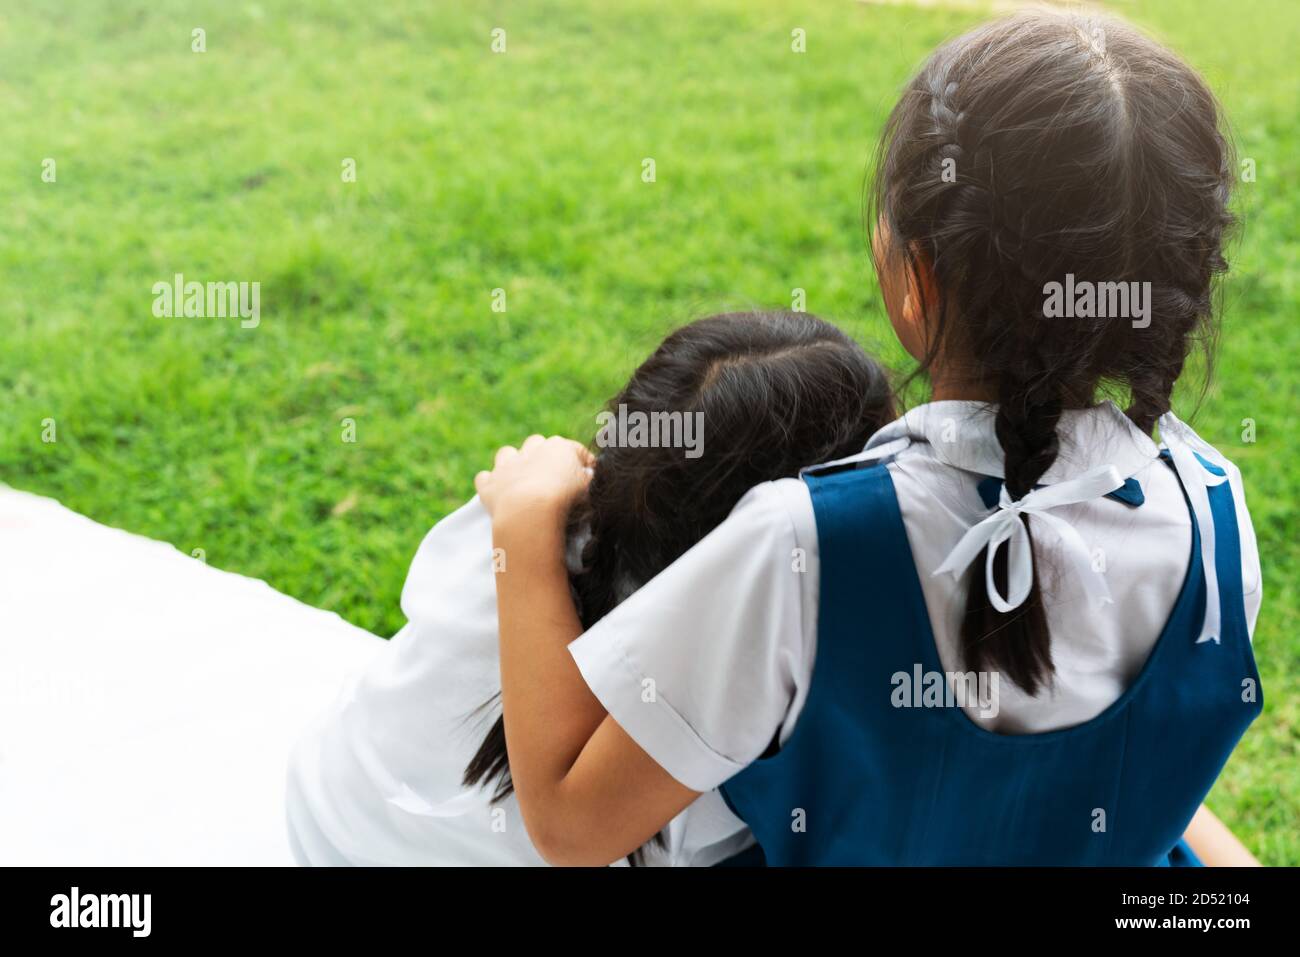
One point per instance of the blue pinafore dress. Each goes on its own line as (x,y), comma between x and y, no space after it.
(863,782)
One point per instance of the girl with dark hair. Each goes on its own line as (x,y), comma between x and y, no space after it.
(1017,629)
(410,766)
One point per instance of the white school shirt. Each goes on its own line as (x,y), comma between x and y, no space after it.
(727,635)
(376,779)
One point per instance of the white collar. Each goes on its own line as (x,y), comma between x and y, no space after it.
(1100,447)
(961,433)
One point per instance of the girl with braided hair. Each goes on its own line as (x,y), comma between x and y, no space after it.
(1016,628)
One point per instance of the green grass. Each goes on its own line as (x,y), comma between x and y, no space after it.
(519,171)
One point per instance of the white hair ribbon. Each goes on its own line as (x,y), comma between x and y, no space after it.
(1007,524)
(1184,445)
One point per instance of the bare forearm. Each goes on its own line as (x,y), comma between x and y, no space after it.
(587,792)
(550,714)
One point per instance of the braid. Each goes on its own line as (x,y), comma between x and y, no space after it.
(1026,428)
(1151,395)
(1001,233)
(1151,383)
(1018,641)
(947,117)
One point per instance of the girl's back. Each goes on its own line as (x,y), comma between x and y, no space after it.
(1050,212)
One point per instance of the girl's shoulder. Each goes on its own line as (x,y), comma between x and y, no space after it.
(453,564)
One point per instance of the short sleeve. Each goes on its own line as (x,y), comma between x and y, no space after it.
(702,665)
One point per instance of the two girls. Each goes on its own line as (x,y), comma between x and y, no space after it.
(410,765)
(1021,525)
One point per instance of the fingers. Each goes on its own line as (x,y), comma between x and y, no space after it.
(585,459)
(584,455)
(541,473)
(532,444)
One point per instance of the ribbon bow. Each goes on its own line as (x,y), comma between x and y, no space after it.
(1185,448)
(1007,525)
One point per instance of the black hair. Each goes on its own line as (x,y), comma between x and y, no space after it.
(774,391)
(1036,146)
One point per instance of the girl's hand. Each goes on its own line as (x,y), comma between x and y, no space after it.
(539,480)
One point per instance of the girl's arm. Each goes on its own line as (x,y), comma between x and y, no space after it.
(587,792)
(1214,844)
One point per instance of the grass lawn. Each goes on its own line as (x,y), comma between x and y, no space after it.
(518,171)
